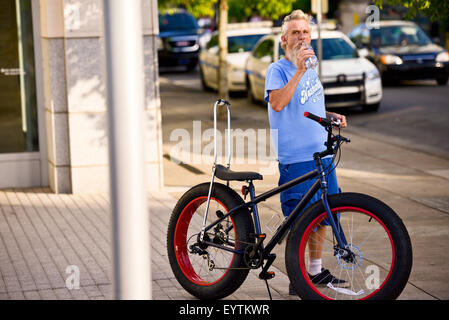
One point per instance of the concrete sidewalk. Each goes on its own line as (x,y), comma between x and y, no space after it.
(43,235)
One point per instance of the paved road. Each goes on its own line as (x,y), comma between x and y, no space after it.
(413,114)
(383,160)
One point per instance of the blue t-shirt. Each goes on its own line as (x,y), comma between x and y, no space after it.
(298,137)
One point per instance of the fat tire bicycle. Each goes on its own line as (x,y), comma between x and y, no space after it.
(214,237)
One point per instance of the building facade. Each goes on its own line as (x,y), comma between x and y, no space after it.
(53,116)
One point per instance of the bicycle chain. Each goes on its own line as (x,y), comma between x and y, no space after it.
(211,264)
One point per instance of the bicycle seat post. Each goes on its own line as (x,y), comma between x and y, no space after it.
(228,106)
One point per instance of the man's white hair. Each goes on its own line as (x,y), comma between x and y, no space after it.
(295,15)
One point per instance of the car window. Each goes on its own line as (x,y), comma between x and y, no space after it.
(360,35)
(281,52)
(265,49)
(237,43)
(399,36)
(243,43)
(213,42)
(355,32)
(177,21)
(336,48)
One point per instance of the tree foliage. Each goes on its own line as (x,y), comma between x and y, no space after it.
(239,9)
(198,8)
(437,10)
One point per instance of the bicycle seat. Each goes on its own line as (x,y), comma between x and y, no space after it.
(226,174)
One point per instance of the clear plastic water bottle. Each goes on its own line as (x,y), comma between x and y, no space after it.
(311,62)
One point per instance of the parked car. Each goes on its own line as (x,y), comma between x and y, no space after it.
(402,51)
(348,79)
(178,40)
(241,40)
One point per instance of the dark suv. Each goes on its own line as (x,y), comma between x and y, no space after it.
(178,40)
(402,51)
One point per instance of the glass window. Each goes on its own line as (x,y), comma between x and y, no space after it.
(237,43)
(355,32)
(399,36)
(213,42)
(360,35)
(336,48)
(265,49)
(281,52)
(243,43)
(18,113)
(177,21)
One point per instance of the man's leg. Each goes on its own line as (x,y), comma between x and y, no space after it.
(316,242)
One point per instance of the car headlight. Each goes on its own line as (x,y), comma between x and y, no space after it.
(390,59)
(373,74)
(159,44)
(443,57)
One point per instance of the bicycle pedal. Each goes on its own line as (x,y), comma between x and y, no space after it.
(267,275)
(258,236)
(261,236)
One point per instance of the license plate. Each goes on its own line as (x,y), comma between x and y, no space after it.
(182,44)
(184,61)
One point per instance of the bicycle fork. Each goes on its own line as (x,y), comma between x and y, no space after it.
(335,223)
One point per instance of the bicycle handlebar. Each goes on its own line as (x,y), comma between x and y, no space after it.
(333,142)
(323,121)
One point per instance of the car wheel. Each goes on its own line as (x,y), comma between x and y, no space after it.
(442,81)
(371,107)
(204,85)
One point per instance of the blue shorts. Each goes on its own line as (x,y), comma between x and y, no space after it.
(291,197)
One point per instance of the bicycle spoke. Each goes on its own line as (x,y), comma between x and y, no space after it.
(369,248)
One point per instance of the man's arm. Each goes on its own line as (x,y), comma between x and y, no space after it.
(281,97)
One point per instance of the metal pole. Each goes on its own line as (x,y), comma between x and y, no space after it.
(319,43)
(125,87)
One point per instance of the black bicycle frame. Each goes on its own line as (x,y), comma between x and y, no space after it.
(282,230)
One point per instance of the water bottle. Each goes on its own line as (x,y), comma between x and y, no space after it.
(311,62)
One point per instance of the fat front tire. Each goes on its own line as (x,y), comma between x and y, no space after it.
(376,263)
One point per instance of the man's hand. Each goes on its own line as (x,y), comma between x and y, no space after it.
(304,53)
(335,116)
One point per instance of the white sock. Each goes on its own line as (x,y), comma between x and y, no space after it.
(314,266)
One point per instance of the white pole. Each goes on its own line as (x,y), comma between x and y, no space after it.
(319,43)
(125,87)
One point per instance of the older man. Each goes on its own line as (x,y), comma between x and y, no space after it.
(290,90)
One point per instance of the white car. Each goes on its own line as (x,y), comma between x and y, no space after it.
(241,40)
(348,79)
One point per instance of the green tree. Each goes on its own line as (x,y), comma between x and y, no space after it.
(436,10)
(242,9)
(198,8)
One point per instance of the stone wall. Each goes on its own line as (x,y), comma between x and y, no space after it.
(75,95)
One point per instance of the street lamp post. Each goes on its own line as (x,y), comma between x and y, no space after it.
(319,43)
(125,92)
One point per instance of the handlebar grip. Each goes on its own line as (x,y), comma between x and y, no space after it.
(323,121)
